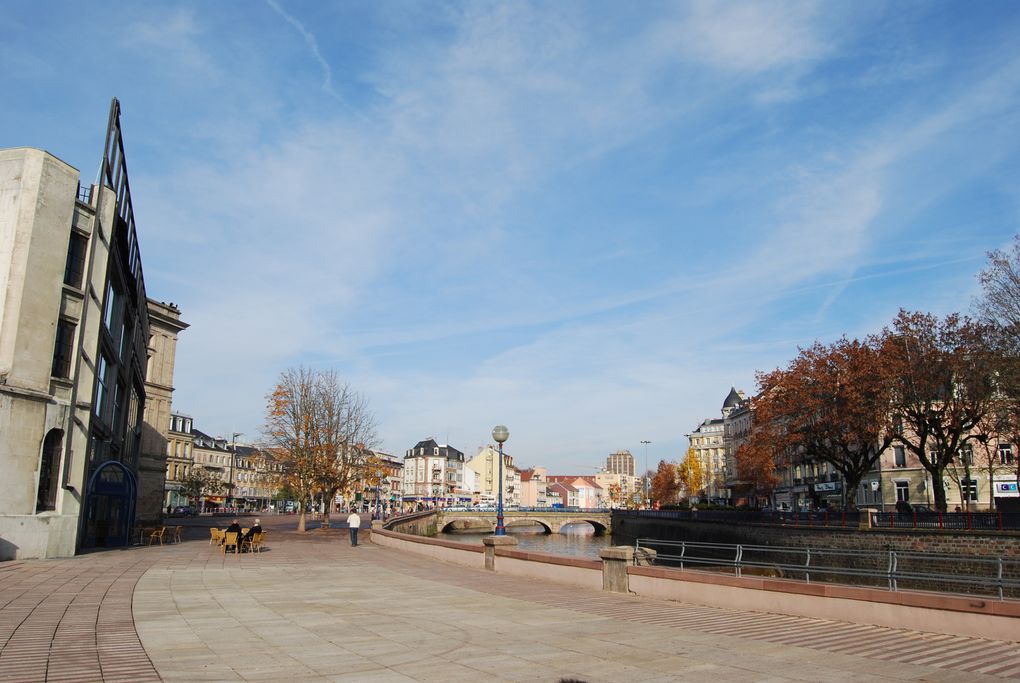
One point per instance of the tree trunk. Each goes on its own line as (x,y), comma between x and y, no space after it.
(850,484)
(938,491)
(991,488)
(301,520)
(327,505)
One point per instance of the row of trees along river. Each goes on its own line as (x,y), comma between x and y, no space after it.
(945,388)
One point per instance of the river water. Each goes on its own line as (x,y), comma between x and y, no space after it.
(575,540)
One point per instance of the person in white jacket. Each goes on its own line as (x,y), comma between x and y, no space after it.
(354,522)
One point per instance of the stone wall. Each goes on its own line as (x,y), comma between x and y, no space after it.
(419,524)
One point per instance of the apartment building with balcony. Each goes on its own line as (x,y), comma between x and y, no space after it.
(485,465)
(179,459)
(434,475)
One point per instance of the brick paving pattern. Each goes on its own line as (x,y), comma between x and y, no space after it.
(313,608)
(71,620)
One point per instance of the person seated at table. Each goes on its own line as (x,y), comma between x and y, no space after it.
(255,529)
(235,527)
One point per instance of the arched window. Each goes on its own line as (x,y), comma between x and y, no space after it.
(49,471)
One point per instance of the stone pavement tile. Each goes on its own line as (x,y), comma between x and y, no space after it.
(446,671)
(381,676)
(212,674)
(396,657)
(328,663)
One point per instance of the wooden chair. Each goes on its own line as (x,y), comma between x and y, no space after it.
(230,540)
(177,533)
(253,544)
(215,536)
(158,534)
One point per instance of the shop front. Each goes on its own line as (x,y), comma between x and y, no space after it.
(212,503)
(1007,494)
(828,494)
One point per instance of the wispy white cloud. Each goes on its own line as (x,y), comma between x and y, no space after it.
(313,47)
(749,37)
(173,35)
(379,237)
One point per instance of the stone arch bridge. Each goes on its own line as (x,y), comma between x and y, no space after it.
(429,522)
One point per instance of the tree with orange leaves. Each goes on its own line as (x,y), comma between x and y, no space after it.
(759,458)
(691,474)
(830,404)
(946,381)
(665,486)
(319,432)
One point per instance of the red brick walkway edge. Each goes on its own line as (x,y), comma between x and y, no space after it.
(70,620)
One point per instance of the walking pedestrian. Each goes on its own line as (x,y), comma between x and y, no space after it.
(353,523)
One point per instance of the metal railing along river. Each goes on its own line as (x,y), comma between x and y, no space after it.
(845,519)
(892,569)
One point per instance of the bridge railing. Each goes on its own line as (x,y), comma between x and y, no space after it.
(547,510)
(893,569)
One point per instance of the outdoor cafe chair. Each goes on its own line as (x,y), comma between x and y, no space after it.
(230,540)
(215,536)
(253,544)
(177,533)
(158,534)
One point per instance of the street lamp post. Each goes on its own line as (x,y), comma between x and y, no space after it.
(689,453)
(230,473)
(378,483)
(500,434)
(647,500)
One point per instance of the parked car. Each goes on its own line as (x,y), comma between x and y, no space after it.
(184,511)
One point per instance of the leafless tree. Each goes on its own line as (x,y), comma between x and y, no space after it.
(319,431)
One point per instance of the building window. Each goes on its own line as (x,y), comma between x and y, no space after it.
(63,348)
(113,308)
(899,456)
(49,469)
(74,269)
(104,380)
(902,492)
(969,489)
(1005,454)
(967,454)
(119,408)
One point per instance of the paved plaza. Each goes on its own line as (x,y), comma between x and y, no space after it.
(311,608)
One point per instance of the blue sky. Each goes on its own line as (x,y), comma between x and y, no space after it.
(583,220)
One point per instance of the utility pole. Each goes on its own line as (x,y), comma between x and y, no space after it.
(647,500)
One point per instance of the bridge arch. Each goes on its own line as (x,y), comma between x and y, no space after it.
(600,527)
(467,524)
(547,528)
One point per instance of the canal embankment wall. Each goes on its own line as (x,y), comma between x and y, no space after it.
(627,529)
